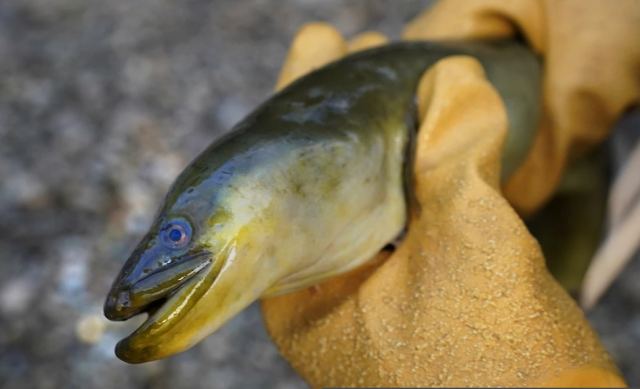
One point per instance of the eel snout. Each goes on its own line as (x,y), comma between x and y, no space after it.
(132,294)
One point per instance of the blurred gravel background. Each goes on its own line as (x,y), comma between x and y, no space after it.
(102,103)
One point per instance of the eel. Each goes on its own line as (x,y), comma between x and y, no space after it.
(310,185)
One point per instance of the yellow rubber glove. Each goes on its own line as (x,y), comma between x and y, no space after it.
(591,51)
(466,298)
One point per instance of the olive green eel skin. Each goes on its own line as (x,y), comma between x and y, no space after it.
(310,185)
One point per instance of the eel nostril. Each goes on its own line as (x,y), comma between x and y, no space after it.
(123,301)
(164,261)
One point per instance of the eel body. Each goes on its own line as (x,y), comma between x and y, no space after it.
(308,186)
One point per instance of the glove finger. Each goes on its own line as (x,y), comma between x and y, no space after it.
(366,40)
(592,66)
(439,110)
(315,45)
(480,19)
(582,97)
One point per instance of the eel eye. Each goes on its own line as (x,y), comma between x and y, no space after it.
(176,233)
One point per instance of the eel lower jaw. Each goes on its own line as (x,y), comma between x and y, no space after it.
(144,343)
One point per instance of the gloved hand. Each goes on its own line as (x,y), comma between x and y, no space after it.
(466,298)
(592,73)
(592,63)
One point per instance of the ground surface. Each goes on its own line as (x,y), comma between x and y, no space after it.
(101,104)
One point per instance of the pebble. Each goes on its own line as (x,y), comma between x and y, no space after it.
(90,328)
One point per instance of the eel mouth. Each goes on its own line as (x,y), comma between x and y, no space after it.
(166,295)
